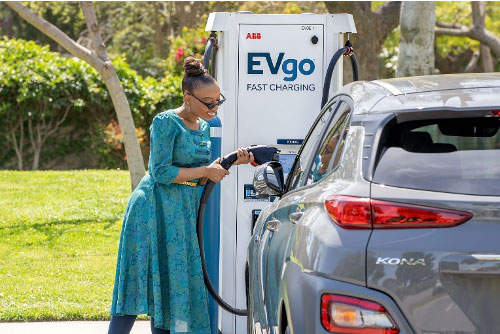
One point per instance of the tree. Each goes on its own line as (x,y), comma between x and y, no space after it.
(37,94)
(477,31)
(97,58)
(416,43)
(373,28)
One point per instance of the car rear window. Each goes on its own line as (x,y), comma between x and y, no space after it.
(448,155)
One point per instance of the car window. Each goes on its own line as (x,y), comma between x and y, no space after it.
(328,155)
(449,155)
(307,149)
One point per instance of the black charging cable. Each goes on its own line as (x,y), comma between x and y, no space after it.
(347,51)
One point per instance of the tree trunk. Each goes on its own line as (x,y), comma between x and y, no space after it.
(36,159)
(43,130)
(33,134)
(100,61)
(474,60)
(21,145)
(159,36)
(7,24)
(135,160)
(416,44)
(180,17)
(478,15)
(167,14)
(373,28)
(18,147)
(487,61)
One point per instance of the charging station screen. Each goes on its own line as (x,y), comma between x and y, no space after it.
(286,160)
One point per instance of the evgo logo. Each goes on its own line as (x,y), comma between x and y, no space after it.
(290,67)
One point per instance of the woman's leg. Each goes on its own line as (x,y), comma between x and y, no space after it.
(155,330)
(121,324)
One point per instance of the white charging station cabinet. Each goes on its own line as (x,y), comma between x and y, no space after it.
(271,70)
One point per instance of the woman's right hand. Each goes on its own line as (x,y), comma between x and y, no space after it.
(215,172)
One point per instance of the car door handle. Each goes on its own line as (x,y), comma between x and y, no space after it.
(273,225)
(295,216)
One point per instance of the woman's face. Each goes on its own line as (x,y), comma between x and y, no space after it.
(208,94)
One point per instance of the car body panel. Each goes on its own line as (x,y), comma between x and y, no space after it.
(314,242)
(418,93)
(438,296)
(302,295)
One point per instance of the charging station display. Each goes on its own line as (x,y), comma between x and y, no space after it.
(286,161)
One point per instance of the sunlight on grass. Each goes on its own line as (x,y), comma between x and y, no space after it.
(59,233)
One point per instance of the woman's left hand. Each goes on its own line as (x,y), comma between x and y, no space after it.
(244,157)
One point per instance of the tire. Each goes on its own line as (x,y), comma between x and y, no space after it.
(250,329)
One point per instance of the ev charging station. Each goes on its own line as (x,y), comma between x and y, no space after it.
(271,69)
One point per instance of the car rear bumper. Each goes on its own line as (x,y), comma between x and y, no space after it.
(302,294)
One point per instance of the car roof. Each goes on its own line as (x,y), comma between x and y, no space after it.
(433,92)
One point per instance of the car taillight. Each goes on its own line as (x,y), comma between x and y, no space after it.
(363,213)
(343,314)
(401,215)
(496,112)
(349,211)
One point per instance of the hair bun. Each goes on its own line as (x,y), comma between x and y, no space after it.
(193,68)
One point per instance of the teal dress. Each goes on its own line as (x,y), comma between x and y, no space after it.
(158,271)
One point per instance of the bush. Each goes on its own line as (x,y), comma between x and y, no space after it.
(37,86)
(38,89)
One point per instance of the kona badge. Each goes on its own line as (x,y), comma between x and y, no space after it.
(400,261)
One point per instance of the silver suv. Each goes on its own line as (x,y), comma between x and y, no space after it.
(389,220)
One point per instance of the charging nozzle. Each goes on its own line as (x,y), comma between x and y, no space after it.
(261,155)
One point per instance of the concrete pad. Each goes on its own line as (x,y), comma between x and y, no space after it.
(65,327)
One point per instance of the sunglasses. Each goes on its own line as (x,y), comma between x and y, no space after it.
(210,105)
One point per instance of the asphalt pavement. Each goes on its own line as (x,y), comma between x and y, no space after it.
(65,327)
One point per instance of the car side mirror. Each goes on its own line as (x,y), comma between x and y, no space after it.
(268,180)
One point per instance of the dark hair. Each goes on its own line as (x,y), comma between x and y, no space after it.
(195,75)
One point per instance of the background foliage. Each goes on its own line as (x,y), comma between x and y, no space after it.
(147,42)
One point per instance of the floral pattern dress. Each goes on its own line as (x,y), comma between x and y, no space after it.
(158,271)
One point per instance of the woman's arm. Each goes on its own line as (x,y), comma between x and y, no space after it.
(188,174)
(215,172)
(163,133)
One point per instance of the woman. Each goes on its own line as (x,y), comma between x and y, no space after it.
(158,271)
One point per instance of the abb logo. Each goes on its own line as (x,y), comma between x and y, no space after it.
(254,35)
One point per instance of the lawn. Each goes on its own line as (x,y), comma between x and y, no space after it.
(59,233)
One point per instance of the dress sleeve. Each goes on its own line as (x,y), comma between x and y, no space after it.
(163,132)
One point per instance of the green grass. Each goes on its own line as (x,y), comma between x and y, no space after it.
(59,234)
